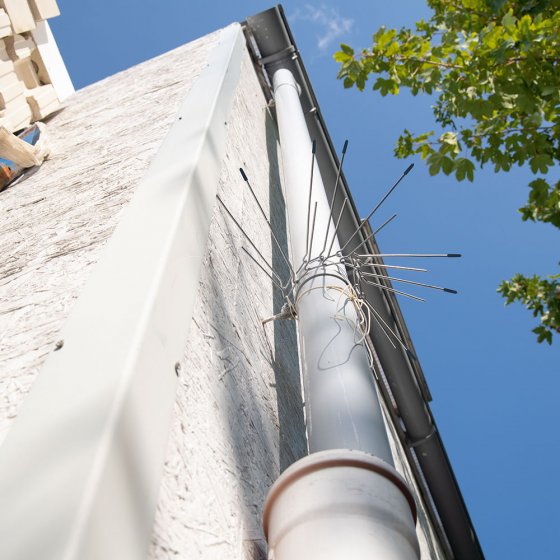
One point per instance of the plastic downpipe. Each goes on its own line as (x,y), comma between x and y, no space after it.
(341,495)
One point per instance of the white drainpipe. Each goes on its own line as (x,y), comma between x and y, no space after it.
(345,499)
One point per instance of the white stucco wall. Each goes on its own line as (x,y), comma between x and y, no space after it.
(238,413)
(57,220)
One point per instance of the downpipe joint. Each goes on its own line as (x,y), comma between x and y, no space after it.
(340,504)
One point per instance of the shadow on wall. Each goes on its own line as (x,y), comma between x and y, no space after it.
(248,414)
(293,442)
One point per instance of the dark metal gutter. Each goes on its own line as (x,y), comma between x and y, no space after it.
(272,46)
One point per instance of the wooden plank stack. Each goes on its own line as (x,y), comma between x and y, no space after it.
(26,94)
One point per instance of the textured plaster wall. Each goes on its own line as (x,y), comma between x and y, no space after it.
(238,413)
(56,221)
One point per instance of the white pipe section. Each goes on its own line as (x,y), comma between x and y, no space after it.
(342,406)
(340,504)
(345,500)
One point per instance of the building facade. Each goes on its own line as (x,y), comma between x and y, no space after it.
(153,379)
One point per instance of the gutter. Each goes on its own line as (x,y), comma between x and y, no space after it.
(272,46)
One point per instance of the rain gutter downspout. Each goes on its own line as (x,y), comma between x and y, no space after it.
(272,44)
(346,498)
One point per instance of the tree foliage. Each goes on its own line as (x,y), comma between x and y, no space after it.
(493,68)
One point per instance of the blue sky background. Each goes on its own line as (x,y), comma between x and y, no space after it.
(495,389)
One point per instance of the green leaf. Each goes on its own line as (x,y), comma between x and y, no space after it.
(539,295)
(464,168)
(447,165)
(543,334)
(385,38)
(386,86)
(509,20)
(543,204)
(341,56)
(540,163)
(361,82)
(549,90)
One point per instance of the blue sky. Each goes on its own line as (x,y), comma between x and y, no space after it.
(495,389)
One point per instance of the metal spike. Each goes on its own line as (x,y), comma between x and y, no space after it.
(312,231)
(445,255)
(337,224)
(334,195)
(372,264)
(448,290)
(245,234)
(266,220)
(313,147)
(397,338)
(383,287)
(376,231)
(383,329)
(265,271)
(379,204)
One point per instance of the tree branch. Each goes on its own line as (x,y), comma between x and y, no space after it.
(502,132)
